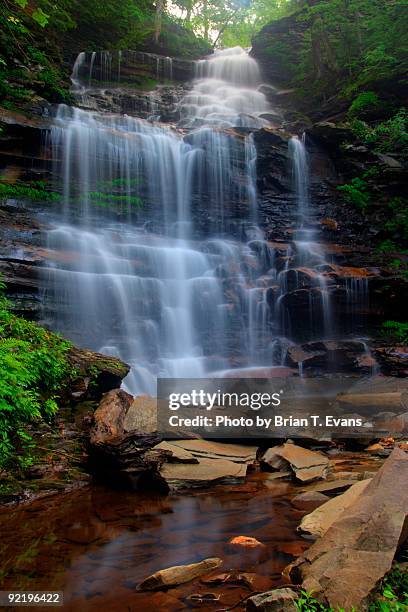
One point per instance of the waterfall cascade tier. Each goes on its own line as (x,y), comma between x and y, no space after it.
(160,260)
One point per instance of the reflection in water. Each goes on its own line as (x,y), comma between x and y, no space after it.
(97,545)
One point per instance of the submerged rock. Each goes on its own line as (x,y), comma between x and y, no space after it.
(309,500)
(179,574)
(245,542)
(344,566)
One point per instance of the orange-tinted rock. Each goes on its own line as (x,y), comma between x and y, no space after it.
(246,542)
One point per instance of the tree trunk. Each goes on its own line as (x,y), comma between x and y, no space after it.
(189,11)
(205,17)
(160,5)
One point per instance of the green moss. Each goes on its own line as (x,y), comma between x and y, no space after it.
(395,330)
(35,190)
(364,103)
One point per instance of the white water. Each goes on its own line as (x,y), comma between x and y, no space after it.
(225,93)
(153,288)
(309,254)
(158,257)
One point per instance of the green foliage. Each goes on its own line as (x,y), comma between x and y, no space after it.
(398,221)
(348,48)
(386,136)
(36,190)
(118,194)
(33,368)
(392,596)
(364,103)
(357,193)
(393,593)
(35,35)
(29,61)
(307,603)
(397,331)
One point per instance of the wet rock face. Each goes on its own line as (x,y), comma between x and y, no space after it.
(346,356)
(159,102)
(133,68)
(276,47)
(393,360)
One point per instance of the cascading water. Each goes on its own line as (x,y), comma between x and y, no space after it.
(157,247)
(309,254)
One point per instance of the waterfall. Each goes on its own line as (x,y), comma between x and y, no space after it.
(225,93)
(309,252)
(157,256)
(300,172)
(75,77)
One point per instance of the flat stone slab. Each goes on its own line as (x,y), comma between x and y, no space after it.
(179,455)
(218,450)
(206,472)
(306,464)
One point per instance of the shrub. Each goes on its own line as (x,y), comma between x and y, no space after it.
(364,103)
(396,330)
(33,367)
(356,192)
(398,223)
(390,135)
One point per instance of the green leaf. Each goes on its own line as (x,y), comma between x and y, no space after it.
(40,17)
(21,3)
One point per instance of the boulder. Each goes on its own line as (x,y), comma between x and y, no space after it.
(393,360)
(179,574)
(119,454)
(95,374)
(306,464)
(141,416)
(344,566)
(109,416)
(318,522)
(278,600)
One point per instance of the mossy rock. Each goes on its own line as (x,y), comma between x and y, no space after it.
(94,374)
